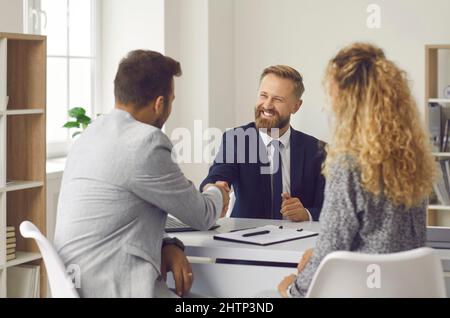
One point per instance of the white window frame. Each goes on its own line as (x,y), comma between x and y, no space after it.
(34,17)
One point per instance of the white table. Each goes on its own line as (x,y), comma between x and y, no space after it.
(226,280)
(231,280)
(202,244)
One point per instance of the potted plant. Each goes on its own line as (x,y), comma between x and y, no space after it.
(80,120)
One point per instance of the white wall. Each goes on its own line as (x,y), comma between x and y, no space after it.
(224,45)
(186,41)
(307,33)
(200,34)
(126,26)
(221,47)
(11,16)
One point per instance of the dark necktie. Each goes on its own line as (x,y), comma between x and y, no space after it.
(277,180)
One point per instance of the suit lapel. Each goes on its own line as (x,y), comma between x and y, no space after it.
(297,162)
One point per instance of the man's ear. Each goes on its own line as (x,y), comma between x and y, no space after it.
(297,106)
(159,105)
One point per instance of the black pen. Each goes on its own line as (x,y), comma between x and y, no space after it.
(248,228)
(256,233)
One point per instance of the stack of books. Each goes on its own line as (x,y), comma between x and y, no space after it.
(10,243)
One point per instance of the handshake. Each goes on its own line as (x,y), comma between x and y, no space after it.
(225,189)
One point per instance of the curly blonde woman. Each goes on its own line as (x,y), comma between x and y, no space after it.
(379,167)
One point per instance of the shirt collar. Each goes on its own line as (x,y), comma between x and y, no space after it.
(284,139)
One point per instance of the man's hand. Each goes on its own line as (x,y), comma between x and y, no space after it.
(293,209)
(305,259)
(225,189)
(285,283)
(174,260)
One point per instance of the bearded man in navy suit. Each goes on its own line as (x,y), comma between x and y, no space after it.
(275,170)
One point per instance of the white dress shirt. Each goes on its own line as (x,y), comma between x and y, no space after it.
(285,152)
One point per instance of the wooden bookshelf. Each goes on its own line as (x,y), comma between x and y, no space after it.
(433,95)
(22,147)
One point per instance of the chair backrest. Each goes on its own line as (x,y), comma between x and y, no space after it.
(61,285)
(415,273)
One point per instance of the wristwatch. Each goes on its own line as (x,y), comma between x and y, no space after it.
(173,241)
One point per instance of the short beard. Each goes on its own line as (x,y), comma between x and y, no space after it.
(162,120)
(269,124)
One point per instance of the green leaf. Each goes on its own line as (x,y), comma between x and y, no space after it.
(84,119)
(77,112)
(72,124)
(76,134)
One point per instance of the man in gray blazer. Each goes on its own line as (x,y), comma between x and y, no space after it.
(119,184)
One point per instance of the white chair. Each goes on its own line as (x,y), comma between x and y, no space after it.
(415,273)
(61,285)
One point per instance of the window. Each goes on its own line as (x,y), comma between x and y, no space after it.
(72,37)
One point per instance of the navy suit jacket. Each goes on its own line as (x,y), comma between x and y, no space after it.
(235,163)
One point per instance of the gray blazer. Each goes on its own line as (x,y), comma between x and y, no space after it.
(118,186)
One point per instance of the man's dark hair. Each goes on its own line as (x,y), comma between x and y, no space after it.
(143,76)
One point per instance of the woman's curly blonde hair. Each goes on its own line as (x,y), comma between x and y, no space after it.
(377,123)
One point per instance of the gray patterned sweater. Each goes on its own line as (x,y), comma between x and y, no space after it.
(353,219)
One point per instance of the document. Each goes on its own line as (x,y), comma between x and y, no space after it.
(265,235)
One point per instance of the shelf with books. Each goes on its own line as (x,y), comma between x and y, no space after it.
(21,269)
(22,151)
(23,258)
(11,243)
(22,205)
(437,119)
